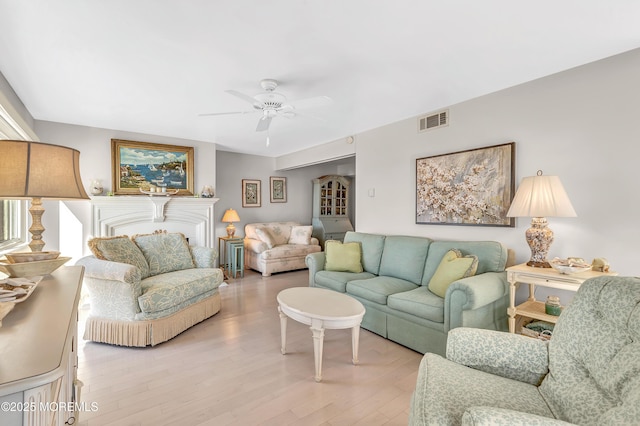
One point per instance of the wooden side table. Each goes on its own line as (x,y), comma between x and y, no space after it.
(545,277)
(226,253)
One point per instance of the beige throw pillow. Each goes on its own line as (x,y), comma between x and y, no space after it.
(301,235)
(265,236)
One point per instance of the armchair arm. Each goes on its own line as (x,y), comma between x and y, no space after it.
(491,416)
(204,257)
(113,288)
(473,293)
(315,263)
(508,355)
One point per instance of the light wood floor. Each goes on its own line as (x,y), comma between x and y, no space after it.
(228,370)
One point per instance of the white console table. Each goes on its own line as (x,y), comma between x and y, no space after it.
(38,354)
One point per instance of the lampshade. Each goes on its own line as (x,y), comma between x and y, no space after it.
(230,216)
(37,170)
(541,196)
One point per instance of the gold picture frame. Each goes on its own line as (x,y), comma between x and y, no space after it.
(278,189)
(251,193)
(150,167)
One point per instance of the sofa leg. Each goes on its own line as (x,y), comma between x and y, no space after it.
(266,274)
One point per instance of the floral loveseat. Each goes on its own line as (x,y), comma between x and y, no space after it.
(278,246)
(406,285)
(148,289)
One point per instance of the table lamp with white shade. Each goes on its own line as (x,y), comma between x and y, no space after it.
(34,170)
(540,197)
(229,217)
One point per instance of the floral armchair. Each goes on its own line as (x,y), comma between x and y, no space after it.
(588,373)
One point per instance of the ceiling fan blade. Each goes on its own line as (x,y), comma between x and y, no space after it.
(250,99)
(263,124)
(318,101)
(226,113)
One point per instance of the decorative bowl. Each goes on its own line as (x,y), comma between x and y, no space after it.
(31,269)
(28,256)
(570,268)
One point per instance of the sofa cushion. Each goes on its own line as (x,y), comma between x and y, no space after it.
(338,280)
(289,250)
(163,291)
(453,266)
(492,256)
(419,302)
(404,257)
(120,249)
(372,246)
(300,234)
(165,252)
(341,257)
(377,289)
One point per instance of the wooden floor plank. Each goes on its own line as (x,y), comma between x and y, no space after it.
(228,370)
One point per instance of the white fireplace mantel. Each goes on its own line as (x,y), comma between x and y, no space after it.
(130,215)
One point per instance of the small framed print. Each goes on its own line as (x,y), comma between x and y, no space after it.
(278,189)
(251,193)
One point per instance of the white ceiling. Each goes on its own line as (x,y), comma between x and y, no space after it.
(152,66)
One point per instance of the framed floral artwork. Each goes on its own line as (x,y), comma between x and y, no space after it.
(148,166)
(278,189)
(251,193)
(473,187)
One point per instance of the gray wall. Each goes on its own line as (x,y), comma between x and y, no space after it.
(232,168)
(580,124)
(94,145)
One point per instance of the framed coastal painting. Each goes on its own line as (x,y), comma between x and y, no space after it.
(278,189)
(251,193)
(472,187)
(144,167)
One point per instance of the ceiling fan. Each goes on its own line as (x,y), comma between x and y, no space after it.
(273,104)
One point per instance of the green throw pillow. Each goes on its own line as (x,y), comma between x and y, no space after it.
(345,257)
(453,267)
(119,249)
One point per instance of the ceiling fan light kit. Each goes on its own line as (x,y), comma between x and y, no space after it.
(273,104)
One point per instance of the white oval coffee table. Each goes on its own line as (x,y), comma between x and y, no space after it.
(321,309)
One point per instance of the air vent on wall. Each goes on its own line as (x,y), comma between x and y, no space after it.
(433,121)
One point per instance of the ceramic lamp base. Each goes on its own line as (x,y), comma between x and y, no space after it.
(539,237)
(231,230)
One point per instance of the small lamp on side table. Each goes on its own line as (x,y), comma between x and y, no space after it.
(539,197)
(229,217)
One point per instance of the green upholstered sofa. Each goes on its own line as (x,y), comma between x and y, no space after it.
(587,374)
(393,287)
(147,289)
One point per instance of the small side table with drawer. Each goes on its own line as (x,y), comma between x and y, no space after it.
(545,277)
